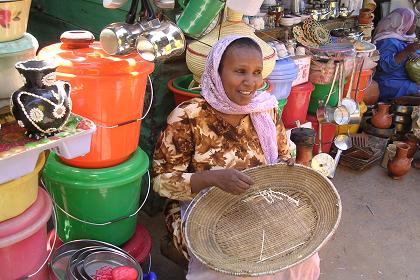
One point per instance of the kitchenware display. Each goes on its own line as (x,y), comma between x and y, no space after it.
(343,143)
(13,19)
(338,115)
(162,41)
(319,14)
(19,154)
(43,105)
(308,210)
(10,53)
(335,9)
(345,12)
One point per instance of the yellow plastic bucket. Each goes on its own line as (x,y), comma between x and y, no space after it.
(351,128)
(18,195)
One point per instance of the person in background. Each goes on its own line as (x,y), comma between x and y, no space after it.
(394,38)
(207,142)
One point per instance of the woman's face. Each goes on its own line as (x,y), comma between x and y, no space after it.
(241,74)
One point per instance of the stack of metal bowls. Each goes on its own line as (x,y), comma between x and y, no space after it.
(402,118)
(81,260)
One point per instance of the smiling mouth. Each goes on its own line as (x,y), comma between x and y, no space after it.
(246,93)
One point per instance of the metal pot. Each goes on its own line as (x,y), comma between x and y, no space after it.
(402,110)
(120,38)
(160,42)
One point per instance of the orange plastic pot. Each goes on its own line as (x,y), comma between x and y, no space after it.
(107,89)
(365,80)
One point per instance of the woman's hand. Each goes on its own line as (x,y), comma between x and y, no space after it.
(290,161)
(229,180)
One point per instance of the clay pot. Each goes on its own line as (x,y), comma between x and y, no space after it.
(412,142)
(400,164)
(381,117)
(304,138)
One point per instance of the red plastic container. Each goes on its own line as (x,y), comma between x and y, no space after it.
(365,80)
(108,90)
(23,241)
(297,105)
(328,134)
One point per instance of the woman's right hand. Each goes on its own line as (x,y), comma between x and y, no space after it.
(229,180)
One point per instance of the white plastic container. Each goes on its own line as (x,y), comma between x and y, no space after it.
(246,7)
(21,160)
(10,53)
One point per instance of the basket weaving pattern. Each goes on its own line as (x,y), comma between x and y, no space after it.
(282,220)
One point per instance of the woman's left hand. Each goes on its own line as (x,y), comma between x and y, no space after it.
(289,162)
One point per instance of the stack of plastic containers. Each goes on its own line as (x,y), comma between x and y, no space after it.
(281,78)
(24,207)
(97,195)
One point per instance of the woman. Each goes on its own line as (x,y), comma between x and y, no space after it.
(208,141)
(394,38)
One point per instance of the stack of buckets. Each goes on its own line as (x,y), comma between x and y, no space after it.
(281,78)
(24,207)
(98,195)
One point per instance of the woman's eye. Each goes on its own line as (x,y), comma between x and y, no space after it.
(257,72)
(240,71)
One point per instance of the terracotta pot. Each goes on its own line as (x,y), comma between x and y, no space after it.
(304,138)
(412,142)
(366,14)
(400,164)
(381,117)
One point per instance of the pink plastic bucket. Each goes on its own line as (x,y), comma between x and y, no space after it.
(23,241)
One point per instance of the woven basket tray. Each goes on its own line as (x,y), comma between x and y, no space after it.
(264,230)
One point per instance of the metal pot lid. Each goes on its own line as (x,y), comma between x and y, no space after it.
(79,53)
(26,43)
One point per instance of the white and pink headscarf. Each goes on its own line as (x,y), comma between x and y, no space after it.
(395,25)
(259,108)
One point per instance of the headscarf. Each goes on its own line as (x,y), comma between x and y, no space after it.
(259,108)
(395,25)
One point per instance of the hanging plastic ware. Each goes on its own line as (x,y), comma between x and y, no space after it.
(197,15)
(108,90)
(246,7)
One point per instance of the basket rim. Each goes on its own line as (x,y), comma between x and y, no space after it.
(204,193)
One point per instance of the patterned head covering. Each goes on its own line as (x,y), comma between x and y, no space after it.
(395,25)
(259,107)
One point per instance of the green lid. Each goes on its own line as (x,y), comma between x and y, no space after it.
(134,167)
(27,42)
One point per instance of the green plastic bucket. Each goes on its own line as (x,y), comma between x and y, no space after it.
(95,203)
(281,104)
(321,92)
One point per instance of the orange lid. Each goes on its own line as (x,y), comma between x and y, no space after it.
(79,53)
